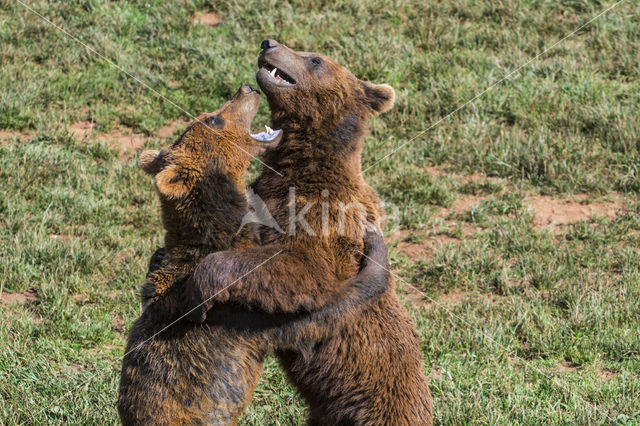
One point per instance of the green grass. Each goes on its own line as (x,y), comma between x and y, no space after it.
(515,302)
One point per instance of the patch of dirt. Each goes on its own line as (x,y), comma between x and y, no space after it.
(605,374)
(422,249)
(467,229)
(82,129)
(476,177)
(398,235)
(117,324)
(12,298)
(74,368)
(566,367)
(207,19)
(461,204)
(554,212)
(123,139)
(447,299)
(80,298)
(167,131)
(437,235)
(414,250)
(9,135)
(437,171)
(454,298)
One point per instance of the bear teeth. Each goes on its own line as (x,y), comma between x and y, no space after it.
(273,72)
(269,129)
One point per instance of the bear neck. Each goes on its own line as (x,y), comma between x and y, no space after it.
(311,145)
(208,219)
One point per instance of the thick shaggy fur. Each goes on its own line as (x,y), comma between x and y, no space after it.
(176,372)
(368,372)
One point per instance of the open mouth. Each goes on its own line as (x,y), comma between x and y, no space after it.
(278,76)
(268,135)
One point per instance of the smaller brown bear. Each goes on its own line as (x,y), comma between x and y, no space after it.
(178,372)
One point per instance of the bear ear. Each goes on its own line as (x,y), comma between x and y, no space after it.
(378,97)
(170,183)
(150,161)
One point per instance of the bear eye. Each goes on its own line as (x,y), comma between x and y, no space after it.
(315,61)
(216,122)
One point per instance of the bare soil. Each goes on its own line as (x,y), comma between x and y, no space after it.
(207,19)
(29,295)
(558,212)
(124,139)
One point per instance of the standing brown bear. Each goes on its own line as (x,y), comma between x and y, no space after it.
(177,372)
(368,372)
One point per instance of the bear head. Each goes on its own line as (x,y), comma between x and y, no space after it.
(221,140)
(202,173)
(313,90)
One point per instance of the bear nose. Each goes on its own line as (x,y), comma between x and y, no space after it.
(268,44)
(246,89)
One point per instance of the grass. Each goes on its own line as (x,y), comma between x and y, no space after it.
(532,324)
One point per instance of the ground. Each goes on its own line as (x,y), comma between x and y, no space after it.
(516,233)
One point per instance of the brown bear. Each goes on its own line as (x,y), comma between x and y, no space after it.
(368,372)
(178,372)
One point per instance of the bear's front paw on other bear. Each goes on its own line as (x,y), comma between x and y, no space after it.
(207,286)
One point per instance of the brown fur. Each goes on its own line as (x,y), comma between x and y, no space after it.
(368,371)
(204,374)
